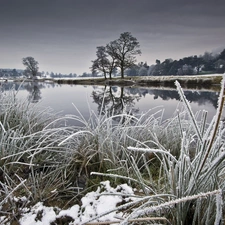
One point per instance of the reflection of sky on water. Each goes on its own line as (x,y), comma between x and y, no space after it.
(61,97)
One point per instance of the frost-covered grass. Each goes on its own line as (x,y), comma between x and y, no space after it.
(31,161)
(174,169)
(198,170)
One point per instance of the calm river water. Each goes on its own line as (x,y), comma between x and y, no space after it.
(116,99)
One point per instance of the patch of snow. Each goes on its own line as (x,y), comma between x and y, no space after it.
(38,215)
(95,203)
(74,210)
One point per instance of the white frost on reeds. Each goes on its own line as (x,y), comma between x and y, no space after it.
(188,109)
(172,203)
(152,150)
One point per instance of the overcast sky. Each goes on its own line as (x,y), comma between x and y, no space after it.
(62,35)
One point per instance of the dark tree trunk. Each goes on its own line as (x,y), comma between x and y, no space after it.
(105,75)
(122,72)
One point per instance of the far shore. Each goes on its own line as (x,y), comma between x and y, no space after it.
(210,81)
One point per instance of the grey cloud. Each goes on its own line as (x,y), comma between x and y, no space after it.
(73,28)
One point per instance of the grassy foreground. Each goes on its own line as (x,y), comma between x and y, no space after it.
(177,166)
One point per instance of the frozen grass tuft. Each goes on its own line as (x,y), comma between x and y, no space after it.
(32,164)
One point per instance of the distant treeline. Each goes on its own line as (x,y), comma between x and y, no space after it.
(193,65)
(203,64)
(11,73)
(18,73)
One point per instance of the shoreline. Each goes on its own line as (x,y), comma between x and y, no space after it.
(212,81)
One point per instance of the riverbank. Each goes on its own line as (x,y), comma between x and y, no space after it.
(211,81)
(201,80)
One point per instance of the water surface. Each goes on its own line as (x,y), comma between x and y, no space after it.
(100,99)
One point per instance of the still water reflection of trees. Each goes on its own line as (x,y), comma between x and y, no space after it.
(192,96)
(33,88)
(34,91)
(115,100)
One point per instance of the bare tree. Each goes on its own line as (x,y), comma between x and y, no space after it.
(104,63)
(31,66)
(119,53)
(101,63)
(111,51)
(124,50)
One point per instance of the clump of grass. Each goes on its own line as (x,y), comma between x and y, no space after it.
(198,170)
(32,163)
(101,144)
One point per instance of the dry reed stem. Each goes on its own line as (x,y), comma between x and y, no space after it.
(215,130)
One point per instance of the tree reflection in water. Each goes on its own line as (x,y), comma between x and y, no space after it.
(109,99)
(114,101)
(119,100)
(34,91)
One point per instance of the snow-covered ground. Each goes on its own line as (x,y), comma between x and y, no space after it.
(103,200)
